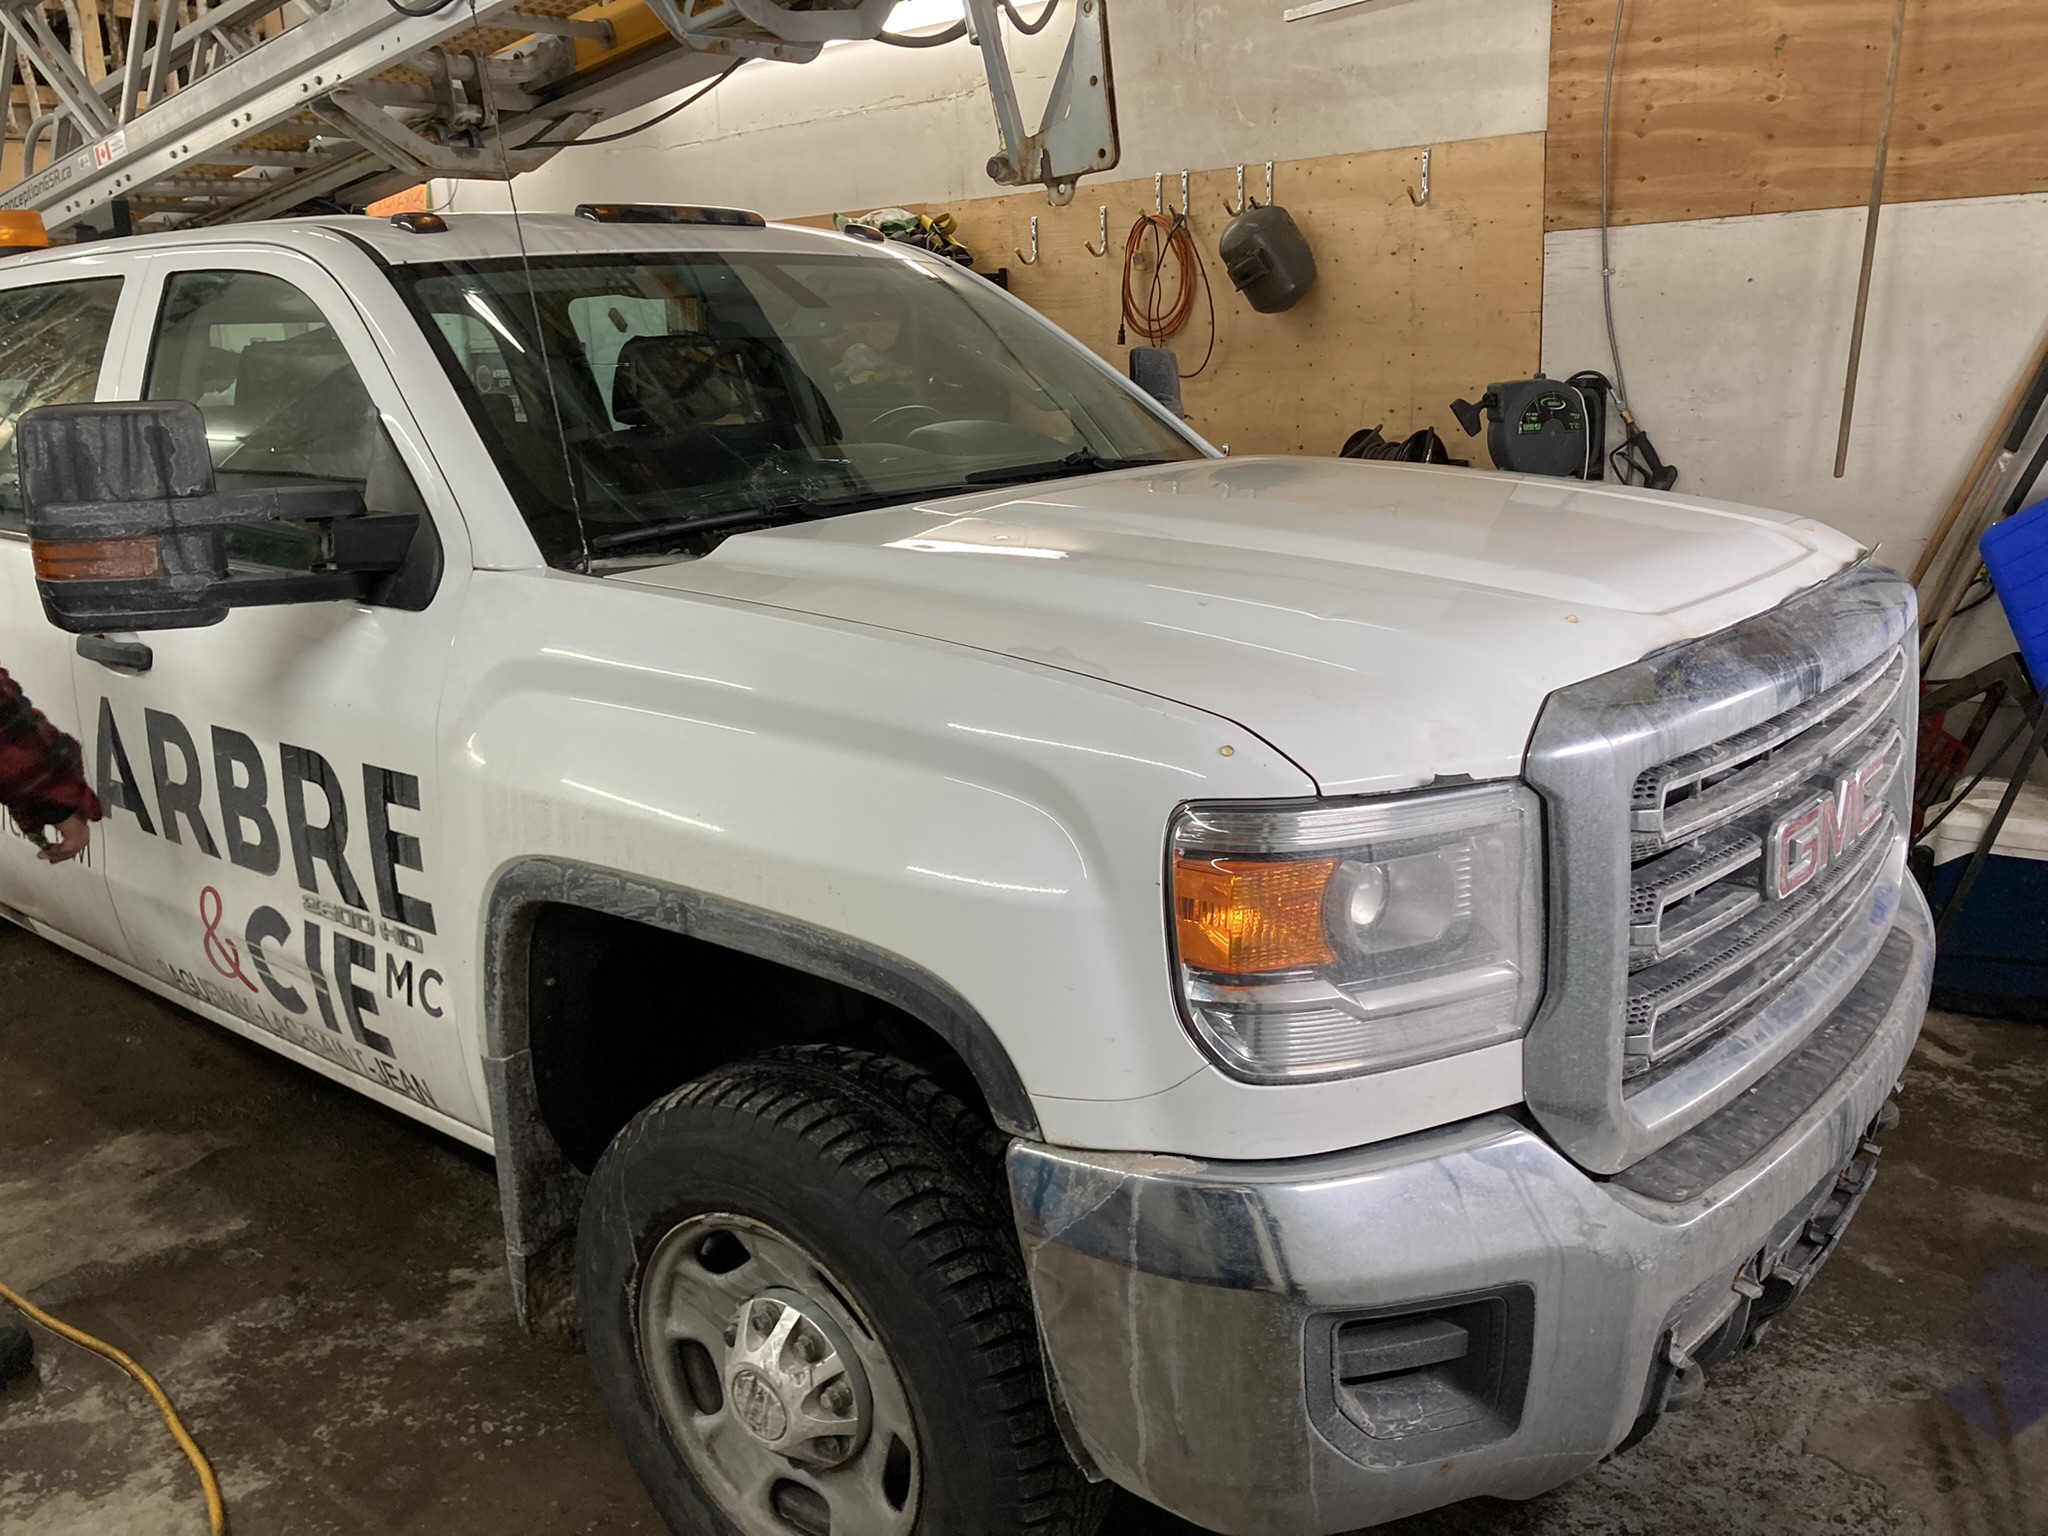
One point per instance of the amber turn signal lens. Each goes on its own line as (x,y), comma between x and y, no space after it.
(99,560)
(1240,916)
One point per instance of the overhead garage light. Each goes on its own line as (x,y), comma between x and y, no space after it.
(914,16)
(1318,8)
(925,15)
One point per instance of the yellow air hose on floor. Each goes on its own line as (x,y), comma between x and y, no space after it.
(216,1510)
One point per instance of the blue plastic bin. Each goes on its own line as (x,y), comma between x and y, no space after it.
(2016,555)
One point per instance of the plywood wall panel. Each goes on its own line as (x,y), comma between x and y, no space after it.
(1412,306)
(1771,106)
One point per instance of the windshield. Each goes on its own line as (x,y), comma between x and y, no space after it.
(740,389)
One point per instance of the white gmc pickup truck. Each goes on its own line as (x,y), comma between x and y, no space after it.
(999,952)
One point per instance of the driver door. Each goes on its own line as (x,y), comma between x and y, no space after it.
(271,781)
(59,345)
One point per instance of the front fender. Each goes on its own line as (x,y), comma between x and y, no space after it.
(993,823)
(974,839)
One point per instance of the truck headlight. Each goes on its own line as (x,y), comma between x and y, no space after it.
(1328,939)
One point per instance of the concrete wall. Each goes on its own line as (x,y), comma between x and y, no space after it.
(1200,83)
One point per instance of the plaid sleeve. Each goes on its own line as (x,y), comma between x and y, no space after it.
(42,770)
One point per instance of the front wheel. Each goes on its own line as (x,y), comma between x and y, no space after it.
(806,1311)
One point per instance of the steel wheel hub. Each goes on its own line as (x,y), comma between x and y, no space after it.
(774,1386)
(793,1385)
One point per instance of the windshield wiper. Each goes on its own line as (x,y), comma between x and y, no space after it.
(1085,462)
(769,515)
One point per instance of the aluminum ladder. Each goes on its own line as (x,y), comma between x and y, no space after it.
(161,113)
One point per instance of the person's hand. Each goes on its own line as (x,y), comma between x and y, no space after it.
(72,836)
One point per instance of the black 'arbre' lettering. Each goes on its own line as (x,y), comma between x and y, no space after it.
(244,802)
(115,775)
(326,841)
(392,851)
(180,796)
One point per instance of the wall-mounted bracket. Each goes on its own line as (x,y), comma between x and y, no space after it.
(1234,211)
(1078,135)
(1421,198)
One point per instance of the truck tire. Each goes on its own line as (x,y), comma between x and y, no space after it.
(802,1296)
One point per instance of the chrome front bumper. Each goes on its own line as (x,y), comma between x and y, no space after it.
(1190,1309)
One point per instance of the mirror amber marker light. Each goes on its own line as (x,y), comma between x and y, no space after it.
(1240,916)
(99,560)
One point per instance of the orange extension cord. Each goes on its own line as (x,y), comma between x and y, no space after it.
(1168,235)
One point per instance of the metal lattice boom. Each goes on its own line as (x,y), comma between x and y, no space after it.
(122,113)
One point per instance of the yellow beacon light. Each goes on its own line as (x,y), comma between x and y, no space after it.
(22,232)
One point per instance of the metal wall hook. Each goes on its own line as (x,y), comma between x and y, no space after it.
(1032,259)
(1421,199)
(1159,192)
(1269,183)
(1102,222)
(1234,212)
(1184,196)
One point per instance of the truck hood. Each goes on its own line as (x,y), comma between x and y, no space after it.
(1381,624)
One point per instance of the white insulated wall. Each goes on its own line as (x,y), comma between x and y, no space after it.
(1200,84)
(1735,334)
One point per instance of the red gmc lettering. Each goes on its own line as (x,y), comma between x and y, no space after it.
(1812,837)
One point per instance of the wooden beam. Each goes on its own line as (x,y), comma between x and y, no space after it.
(93,45)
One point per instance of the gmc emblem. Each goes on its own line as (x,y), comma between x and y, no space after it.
(1804,841)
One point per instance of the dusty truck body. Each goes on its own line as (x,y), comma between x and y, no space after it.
(998,951)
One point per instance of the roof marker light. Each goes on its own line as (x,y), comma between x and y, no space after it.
(668,213)
(22,232)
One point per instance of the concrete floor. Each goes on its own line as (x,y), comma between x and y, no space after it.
(319,1285)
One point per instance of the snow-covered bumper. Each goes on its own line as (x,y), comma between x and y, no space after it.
(1314,1345)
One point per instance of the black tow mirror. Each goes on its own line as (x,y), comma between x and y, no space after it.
(129,533)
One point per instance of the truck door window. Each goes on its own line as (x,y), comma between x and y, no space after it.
(52,339)
(283,403)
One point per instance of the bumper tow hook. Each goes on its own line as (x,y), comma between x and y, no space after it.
(1688,1381)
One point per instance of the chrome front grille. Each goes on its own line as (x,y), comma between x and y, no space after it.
(1700,932)
(1676,802)
(1707,941)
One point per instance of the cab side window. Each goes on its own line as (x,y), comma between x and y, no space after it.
(284,406)
(52,339)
